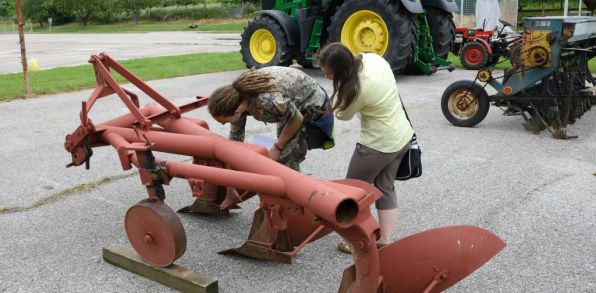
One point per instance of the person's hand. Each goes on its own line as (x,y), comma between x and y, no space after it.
(232,198)
(274,153)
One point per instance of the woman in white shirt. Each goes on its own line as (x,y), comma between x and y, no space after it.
(365,84)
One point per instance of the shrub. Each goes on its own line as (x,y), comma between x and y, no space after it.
(199,12)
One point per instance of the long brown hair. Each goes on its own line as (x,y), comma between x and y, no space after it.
(345,68)
(225,100)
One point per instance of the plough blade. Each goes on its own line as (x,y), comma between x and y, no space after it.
(276,240)
(434,260)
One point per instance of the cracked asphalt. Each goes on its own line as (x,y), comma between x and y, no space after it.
(535,192)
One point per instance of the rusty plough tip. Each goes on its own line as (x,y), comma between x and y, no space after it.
(294,209)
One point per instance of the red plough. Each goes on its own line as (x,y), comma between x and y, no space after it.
(294,209)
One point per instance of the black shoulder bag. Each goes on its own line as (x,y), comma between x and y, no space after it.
(411,164)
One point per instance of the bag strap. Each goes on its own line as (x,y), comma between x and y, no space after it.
(406,112)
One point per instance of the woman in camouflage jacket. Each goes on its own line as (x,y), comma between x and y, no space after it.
(281,95)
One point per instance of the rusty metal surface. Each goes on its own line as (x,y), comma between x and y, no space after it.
(294,210)
(448,253)
(155,232)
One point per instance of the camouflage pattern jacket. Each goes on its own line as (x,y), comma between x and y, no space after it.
(296,92)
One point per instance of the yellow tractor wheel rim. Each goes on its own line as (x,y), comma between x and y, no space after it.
(365,31)
(262,46)
(463,104)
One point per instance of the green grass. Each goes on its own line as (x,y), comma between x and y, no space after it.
(219,26)
(455,59)
(66,79)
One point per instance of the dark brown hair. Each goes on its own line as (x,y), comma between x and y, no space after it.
(345,67)
(225,100)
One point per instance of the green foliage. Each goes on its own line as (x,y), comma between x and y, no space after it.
(7,9)
(65,79)
(135,7)
(525,5)
(109,10)
(83,9)
(36,10)
(200,12)
(229,26)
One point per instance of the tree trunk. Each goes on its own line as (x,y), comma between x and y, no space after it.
(22,43)
(590,5)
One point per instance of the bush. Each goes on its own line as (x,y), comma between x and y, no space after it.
(199,12)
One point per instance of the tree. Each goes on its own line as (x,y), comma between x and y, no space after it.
(7,9)
(36,10)
(108,9)
(591,5)
(134,7)
(19,14)
(83,9)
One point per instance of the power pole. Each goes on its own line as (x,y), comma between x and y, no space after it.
(23,51)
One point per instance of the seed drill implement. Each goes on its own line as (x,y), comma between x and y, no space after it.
(549,84)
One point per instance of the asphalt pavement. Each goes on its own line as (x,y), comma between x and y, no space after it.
(535,192)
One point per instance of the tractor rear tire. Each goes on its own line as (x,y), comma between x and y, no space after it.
(263,43)
(465,103)
(474,55)
(442,30)
(380,26)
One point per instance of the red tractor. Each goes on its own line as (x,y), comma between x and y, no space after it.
(478,48)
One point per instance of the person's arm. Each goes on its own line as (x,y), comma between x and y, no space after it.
(281,109)
(237,129)
(289,131)
(355,107)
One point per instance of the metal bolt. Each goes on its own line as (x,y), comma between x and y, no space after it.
(359,244)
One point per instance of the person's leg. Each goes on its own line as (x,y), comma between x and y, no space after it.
(366,165)
(387,205)
(294,151)
(387,221)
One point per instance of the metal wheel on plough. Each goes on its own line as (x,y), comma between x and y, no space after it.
(155,232)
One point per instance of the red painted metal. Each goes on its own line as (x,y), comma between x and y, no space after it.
(155,232)
(484,43)
(294,209)
(473,55)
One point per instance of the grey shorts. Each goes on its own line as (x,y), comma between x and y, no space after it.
(378,168)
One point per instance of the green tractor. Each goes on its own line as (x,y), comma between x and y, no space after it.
(414,36)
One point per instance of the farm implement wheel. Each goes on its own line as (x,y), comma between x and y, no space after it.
(155,232)
(474,56)
(263,43)
(375,26)
(442,30)
(465,103)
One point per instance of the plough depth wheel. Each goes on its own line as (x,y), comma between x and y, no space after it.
(465,103)
(155,232)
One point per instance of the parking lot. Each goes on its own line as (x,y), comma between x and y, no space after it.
(535,192)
